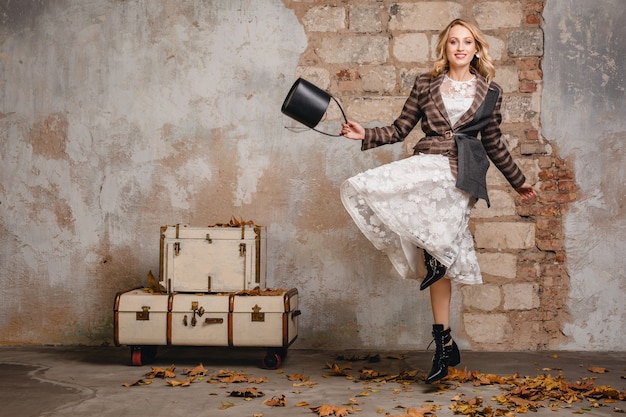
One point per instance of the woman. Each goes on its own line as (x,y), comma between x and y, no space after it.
(424,202)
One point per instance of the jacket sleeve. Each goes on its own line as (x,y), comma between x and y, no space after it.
(401,127)
(496,149)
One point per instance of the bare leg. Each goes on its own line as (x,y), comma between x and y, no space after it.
(440,296)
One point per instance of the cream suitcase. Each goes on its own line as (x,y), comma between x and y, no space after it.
(257,318)
(264,320)
(140,321)
(199,320)
(212,259)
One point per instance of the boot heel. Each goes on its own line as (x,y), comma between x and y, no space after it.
(454,356)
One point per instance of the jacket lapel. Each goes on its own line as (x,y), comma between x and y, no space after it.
(437,99)
(481,92)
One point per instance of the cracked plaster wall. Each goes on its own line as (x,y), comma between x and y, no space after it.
(583,113)
(117,117)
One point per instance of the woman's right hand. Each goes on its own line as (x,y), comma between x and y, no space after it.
(352,130)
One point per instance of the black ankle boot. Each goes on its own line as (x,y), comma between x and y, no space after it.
(445,355)
(435,271)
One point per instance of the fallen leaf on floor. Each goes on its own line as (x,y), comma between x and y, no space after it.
(231,377)
(224,406)
(338,370)
(197,371)
(367,374)
(302,404)
(297,377)
(161,373)
(597,370)
(397,357)
(309,384)
(247,393)
(176,383)
(279,401)
(331,410)
(415,412)
(136,383)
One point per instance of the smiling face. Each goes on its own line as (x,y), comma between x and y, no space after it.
(460,47)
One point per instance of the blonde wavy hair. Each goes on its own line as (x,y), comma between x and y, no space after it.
(483,64)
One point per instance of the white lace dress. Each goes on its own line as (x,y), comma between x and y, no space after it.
(413,203)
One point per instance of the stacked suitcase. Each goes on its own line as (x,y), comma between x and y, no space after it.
(211,293)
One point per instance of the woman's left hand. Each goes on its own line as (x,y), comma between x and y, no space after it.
(527,192)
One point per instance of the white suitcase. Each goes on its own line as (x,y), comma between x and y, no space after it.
(258,318)
(265,320)
(199,320)
(140,321)
(212,259)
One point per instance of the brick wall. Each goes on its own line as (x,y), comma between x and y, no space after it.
(367,54)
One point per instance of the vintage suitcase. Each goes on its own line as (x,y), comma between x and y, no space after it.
(251,318)
(199,320)
(212,259)
(140,321)
(269,319)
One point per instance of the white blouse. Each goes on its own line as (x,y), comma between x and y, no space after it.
(457,97)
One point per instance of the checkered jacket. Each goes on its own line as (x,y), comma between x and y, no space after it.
(425,103)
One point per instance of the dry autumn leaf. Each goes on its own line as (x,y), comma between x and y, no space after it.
(297,377)
(247,393)
(195,372)
(415,412)
(136,383)
(338,370)
(309,384)
(597,370)
(279,401)
(161,373)
(224,406)
(175,383)
(231,377)
(331,410)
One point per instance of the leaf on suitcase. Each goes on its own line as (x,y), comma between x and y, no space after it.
(161,373)
(279,401)
(247,393)
(136,383)
(153,285)
(234,222)
(332,410)
(199,370)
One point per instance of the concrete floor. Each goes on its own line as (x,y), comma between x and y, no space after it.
(87,381)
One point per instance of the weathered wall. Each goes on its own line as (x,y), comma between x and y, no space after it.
(117,117)
(583,112)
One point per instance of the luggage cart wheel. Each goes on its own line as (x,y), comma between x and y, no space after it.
(274,357)
(141,355)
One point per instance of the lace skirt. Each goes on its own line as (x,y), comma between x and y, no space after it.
(410,204)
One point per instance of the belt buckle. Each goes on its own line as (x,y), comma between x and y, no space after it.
(448,134)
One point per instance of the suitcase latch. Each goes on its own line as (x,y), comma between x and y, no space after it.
(242,250)
(144,314)
(208,238)
(195,310)
(256,313)
(176,248)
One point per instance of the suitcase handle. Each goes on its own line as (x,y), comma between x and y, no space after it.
(213,321)
(295,313)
